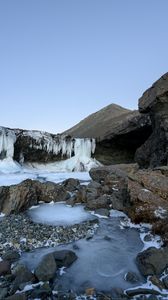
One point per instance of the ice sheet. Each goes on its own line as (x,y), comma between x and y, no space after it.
(59,214)
(102,261)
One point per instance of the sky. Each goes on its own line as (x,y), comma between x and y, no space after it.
(61,60)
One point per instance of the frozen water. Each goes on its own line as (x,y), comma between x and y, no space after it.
(7,166)
(7,140)
(102,261)
(59,214)
(15,178)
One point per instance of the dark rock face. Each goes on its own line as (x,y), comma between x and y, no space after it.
(154,152)
(152,261)
(118,133)
(36,146)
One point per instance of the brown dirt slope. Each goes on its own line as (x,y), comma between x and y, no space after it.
(100,123)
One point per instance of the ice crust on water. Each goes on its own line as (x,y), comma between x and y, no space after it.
(59,214)
(104,259)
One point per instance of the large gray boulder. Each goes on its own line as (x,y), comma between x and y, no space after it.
(47,268)
(152,261)
(154,102)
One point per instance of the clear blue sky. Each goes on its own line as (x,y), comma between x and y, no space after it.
(61,60)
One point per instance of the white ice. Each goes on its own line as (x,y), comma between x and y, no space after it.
(59,214)
(16,178)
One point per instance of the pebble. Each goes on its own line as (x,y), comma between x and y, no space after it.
(22,234)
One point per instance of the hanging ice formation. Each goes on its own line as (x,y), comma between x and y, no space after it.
(75,152)
(7,140)
(64,145)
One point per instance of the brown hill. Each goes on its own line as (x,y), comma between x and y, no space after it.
(100,123)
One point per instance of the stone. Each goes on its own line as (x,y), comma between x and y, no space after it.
(46,269)
(102,212)
(165,281)
(71,184)
(5,267)
(22,274)
(21,296)
(131,277)
(41,292)
(101,202)
(18,198)
(154,102)
(90,291)
(11,256)
(64,258)
(152,261)
(141,291)
(157,282)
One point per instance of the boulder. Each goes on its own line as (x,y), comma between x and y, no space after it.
(11,255)
(64,258)
(154,102)
(17,198)
(71,184)
(5,267)
(152,261)
(47,268)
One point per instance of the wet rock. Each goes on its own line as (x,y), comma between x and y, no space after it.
(46,269)
(41,292)
(64,258)
(141,291)
(157,282)
(5,267)
(11,256)
(131,277)
(21,296)
(22,274)
(101,202)
(71,184)
(165,281)
(154,101)
(102,212)
(152,261)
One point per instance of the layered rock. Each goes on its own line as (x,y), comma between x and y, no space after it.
(154,102)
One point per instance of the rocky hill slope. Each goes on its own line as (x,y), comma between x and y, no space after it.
(118,133)
(100,123)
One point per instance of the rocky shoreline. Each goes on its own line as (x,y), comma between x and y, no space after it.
(19,232)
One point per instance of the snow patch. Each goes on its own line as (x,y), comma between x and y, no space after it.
(160,212)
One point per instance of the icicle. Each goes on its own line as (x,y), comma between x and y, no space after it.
(7,140)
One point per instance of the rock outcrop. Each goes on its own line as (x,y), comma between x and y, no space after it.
(17,198)
(118,133)
(154,102)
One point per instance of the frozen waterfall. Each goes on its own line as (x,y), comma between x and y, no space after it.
(7,140)
(75,152)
